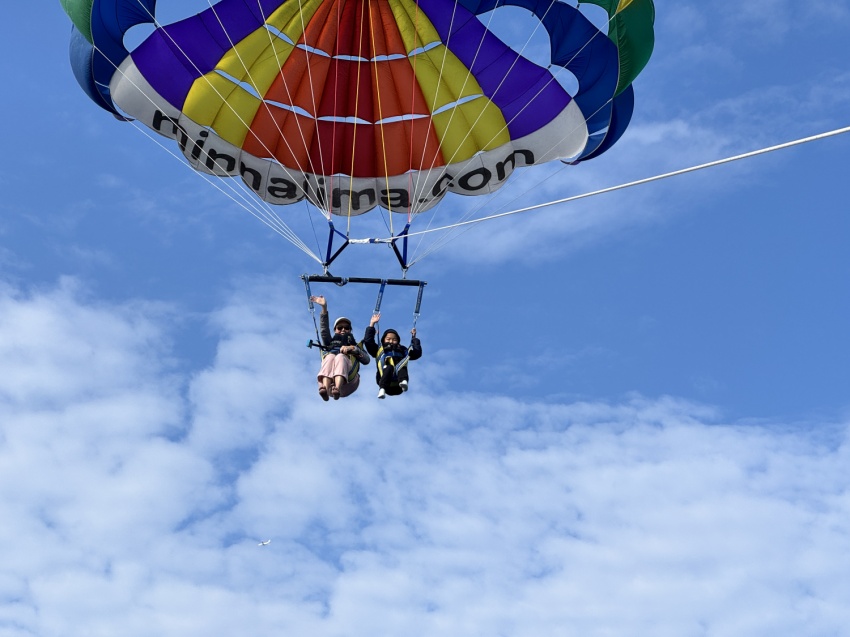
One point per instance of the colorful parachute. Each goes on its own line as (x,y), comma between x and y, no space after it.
(355,104)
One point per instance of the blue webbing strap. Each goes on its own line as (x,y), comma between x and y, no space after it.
(378,304)
(404,360)
(402,363)
(380,296)
(329,258)
(401,256)
(418,303)
(312,307)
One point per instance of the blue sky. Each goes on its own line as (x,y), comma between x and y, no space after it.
(631,417)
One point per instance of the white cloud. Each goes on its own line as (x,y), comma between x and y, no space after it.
(133,507)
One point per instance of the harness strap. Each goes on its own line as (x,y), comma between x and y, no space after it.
(312,307)
(355,367)
(418,304)
(382,357)
(330,256)
(355,363)
(378,304)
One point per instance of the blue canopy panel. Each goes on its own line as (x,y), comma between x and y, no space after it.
(81,53)
(621,115)
(586,52)
(94,63)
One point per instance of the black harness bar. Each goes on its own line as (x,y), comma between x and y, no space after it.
(321,278)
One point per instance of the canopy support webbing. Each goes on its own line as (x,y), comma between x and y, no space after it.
(401,254)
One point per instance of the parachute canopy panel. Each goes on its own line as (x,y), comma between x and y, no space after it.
(355,104)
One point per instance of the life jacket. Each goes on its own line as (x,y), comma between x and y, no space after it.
(339,340)
(333,348)
(397,356)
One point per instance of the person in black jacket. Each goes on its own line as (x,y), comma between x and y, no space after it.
(392,357)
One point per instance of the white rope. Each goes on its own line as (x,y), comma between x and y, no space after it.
(638,182)
(253,84)
(238,196)
(467,78)
(263,212)
(416,210)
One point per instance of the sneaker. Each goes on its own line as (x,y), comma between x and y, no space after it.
(403,385)
(382,393)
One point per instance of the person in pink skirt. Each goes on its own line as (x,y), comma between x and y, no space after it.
(342,356)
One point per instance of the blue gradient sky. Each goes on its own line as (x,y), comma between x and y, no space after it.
(631,417)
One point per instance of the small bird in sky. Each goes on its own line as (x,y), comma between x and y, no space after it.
(264,543)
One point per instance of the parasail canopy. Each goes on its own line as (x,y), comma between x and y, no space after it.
(358,104)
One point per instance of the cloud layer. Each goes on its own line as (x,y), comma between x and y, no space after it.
(134,495)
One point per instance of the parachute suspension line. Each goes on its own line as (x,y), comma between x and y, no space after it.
(326,213)
(414,209)
(313,99)
(250,77)
(330,254)
(640,182)
(336,98)
(519,54)
(467,78)
(313,227)
(560,69)
(501,83)
(474,209)
(388,220)
(400,255)
(284,84)
(383,156)
(433,106)
(263,213)
(449,160)
(470,128)
(356,113)
(416,45)
(239,197)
